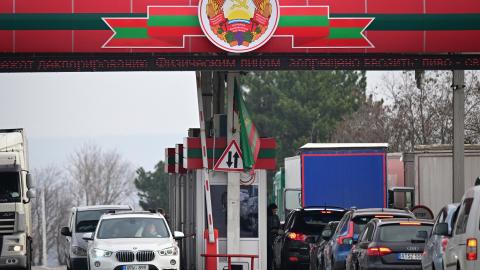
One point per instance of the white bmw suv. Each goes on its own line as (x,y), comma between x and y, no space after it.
(133,241)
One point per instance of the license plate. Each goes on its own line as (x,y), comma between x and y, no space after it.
(410,256)
(135,267)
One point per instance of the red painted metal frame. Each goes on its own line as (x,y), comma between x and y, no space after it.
(230,256)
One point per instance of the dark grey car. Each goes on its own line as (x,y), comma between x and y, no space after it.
(437,244)
(391,244)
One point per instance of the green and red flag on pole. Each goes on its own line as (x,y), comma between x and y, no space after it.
(249,138)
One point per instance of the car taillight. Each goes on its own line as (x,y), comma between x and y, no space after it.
(471,249)
(378,251)
(297,236)
(349,234)
(444,244)
(293,259)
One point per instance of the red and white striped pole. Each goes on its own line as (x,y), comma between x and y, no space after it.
(205,171)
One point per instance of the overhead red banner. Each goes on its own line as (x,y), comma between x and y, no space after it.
(263,26)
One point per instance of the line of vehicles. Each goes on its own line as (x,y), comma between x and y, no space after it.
(333,238)
(106,237)
(342,210)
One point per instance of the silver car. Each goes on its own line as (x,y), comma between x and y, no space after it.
(433,257)
(83,220)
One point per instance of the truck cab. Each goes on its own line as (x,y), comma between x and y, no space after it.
(16,193)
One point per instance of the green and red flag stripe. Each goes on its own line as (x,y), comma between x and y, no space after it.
(164,27)
(168,26)
(169,160)
(193,153)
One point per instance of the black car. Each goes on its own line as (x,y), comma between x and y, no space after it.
(391,244)
(302,227)
(316,249)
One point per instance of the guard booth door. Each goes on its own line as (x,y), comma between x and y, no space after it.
(253,213)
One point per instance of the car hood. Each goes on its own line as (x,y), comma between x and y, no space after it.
(133,244)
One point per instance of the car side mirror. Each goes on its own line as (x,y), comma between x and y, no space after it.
(87,236)
(65,231)
(327,234)
(178,235)
(29,180)
(31,193)
(441,229)
(422,235)
(363,245)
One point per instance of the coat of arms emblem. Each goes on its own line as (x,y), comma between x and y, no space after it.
(239,25)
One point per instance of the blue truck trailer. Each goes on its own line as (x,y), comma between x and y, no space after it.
(344,175)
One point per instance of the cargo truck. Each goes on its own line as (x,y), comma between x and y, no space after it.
(16,192)
(344,175)
(429,171)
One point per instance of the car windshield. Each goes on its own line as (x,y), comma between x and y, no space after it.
(87,220)
(9,187)
(402,233)
(313,222)
(133,228)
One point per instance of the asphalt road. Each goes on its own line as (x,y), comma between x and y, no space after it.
(49,268)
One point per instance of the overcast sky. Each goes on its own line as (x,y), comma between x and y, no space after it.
(137,113)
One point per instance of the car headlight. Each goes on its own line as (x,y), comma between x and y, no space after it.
(79,251)
(96,252)
(171,251)
(16,248)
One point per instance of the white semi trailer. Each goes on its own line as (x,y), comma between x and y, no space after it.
(16,193)
(429,170)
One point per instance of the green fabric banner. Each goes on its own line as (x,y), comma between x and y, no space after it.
(249,138)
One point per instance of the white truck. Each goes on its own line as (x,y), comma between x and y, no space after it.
(16,193)
(429,171)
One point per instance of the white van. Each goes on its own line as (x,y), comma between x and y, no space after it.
(462,249)
(82,220)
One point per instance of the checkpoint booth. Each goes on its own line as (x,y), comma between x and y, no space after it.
(187,203)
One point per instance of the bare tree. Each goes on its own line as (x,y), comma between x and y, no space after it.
(420,112)
(100,177)
(368,124)
(51,184)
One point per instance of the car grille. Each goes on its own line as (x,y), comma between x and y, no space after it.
(7,222)
(145,256)
(125,256)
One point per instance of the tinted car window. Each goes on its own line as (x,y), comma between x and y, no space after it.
(87,220)
(313,222)
(359,222)
(401,233)
(463,216)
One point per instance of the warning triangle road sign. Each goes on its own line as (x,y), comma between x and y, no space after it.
(231,159)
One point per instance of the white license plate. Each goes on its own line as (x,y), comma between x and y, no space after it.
(410,256)
(135,267)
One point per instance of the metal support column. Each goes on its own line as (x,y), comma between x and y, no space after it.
(233,179)
(458,134)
